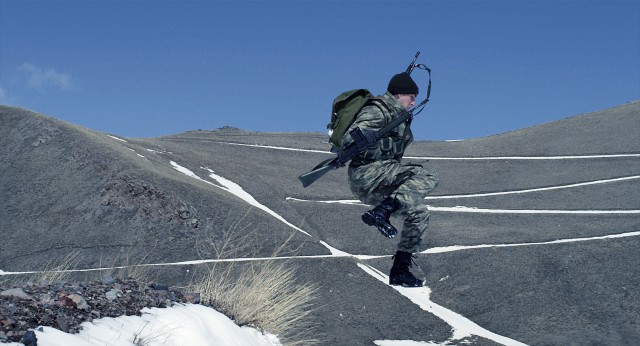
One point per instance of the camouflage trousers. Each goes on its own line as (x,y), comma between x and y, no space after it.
(409,184)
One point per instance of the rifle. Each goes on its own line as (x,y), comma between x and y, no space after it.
(364,139)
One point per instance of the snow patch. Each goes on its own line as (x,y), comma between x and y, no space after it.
(181,324)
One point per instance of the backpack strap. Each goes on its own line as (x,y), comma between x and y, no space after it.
(378,102)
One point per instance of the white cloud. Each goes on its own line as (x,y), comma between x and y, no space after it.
(38,77)
(5,98)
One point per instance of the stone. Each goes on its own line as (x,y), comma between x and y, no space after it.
(62,323)
(45,299)
(15,292)
(113,294)
(81,303)
(184,213)
(29,338)
(108,279)
(65,301)
(193,298)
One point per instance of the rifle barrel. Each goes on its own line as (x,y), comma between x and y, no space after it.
(310,177)
(413,63)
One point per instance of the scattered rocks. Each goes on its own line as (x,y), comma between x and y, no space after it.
(124,192)
(46,134)
(66,305)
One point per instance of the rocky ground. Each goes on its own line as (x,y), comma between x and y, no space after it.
(66,305)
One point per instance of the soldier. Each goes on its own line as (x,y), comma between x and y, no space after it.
(377,176)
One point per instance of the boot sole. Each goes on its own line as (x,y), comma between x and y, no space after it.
(396,283)
(370,220)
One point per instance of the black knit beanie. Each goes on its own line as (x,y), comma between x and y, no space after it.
(402,84)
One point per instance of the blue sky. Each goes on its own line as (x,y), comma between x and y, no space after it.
(146,69)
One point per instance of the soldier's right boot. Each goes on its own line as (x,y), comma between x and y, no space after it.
(379,217)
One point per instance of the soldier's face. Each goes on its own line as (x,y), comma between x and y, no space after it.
(407,101)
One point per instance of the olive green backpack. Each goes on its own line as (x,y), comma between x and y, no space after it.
(343,113)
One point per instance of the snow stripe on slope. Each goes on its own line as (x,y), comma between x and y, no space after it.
(561,157)
(548,188)
(276,148)
(559,241)
(117,139)
(568,157)
(463,209)
(595,182)
(341,254)
(462,327)
(237,190)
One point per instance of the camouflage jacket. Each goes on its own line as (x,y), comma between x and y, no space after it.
(373,117)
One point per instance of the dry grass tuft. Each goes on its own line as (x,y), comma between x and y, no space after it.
(126,268)
(263,295)
(60,272)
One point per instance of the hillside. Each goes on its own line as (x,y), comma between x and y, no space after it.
(554,207)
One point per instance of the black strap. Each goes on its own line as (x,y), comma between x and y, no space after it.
(424,102)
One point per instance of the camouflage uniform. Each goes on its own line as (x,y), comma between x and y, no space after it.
(377,173)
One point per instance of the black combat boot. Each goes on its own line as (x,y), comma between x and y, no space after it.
(379,217)
(400,274)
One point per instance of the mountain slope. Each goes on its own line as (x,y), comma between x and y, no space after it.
(605,131)
(491,254)
(67,188)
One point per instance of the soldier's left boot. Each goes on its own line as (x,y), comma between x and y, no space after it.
(400,274)
(379,217)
